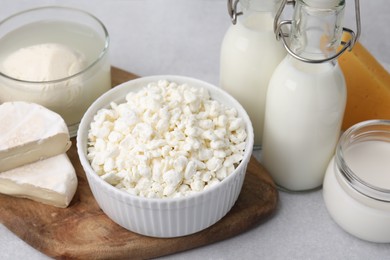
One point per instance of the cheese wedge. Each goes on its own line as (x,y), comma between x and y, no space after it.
(368,87)
(52,181)
(30,132)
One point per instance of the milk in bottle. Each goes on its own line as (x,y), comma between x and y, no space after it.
(249,55)
(306,99)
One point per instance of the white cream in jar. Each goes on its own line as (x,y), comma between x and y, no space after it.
(356,187)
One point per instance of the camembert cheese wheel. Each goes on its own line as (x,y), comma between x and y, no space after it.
(52,181)
(30,132)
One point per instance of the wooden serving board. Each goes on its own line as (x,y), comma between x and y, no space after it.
(83,231)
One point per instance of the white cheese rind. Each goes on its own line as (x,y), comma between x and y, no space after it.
(52,181)
(30,132)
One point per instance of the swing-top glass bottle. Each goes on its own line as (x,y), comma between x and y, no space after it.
(306,96)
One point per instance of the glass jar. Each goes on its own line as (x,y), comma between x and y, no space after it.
(69,96)
(306,99)
(356,187)
(249,55)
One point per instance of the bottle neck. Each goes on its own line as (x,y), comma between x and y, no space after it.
(259,5)
(316,28)
(258,14)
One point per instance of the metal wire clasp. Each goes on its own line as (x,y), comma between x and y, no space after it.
(345,45)
(232,10)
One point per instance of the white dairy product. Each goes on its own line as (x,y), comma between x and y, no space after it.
(370,160)
(361,207)
(30,132)
(166,140)
(70,97)
(43,62)
(52,181)
(249,55)
(304,110)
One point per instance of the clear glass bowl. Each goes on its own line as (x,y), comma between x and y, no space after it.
(78,30)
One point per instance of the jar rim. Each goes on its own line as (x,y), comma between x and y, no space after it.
(324,4)
(101,55)
(358,132)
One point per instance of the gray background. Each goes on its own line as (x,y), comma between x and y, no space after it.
(150,37)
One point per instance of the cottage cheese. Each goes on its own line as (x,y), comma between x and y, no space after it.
(166,140)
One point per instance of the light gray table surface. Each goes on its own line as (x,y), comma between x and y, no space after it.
(183,37)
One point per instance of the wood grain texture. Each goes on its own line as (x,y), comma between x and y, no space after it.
(83,231)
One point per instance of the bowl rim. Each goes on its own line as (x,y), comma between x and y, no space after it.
(102,54)
(82,140)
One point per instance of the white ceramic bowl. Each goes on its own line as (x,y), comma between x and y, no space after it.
(168,217)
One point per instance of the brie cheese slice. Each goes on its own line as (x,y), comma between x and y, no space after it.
(52,181)
(30,132)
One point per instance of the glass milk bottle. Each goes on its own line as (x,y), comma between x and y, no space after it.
(249,54)
(306,97)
